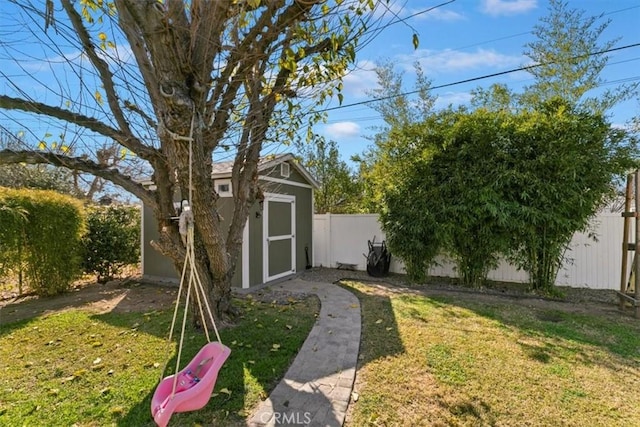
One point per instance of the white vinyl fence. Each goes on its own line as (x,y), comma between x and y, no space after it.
(590,263)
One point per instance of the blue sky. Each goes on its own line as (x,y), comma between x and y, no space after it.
(461,40)
(467,39)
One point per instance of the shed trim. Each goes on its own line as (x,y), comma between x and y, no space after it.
(245,256)
(284,181)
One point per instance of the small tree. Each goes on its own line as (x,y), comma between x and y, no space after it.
(472,210)
(411,207)
(112,240)
(411,226)
(339,190)
(569,55)
(388,154)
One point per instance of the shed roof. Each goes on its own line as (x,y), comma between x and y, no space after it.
(223,169)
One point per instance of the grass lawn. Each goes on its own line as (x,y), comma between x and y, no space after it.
(82,369)
(462,360)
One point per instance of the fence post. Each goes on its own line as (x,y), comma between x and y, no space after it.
(328,242)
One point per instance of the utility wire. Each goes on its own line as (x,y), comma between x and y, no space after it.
(473,79)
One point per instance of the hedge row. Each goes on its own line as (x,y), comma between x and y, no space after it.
(40,235)
(47,240)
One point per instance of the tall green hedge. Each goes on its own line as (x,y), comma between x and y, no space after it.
(40,234)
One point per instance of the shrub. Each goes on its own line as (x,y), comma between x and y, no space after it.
(112,240)
(40,233)
(12,218)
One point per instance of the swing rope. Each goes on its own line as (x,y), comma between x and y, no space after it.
(186,228)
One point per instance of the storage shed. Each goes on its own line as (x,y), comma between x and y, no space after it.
(278,236)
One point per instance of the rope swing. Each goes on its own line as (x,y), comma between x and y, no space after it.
(190,388)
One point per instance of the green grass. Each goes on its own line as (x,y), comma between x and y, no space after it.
(442,361)
(82,369)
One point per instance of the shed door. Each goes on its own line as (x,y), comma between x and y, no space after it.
(279,236)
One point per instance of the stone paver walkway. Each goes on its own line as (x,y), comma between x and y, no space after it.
(316,389)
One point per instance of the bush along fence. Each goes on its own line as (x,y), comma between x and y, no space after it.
(593,259)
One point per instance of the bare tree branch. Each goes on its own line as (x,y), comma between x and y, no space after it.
(81,164)
(128,141)
(136,42)
(106,77)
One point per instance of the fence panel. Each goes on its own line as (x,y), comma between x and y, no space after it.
(592,263)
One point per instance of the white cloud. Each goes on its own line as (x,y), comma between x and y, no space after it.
(342,130)
(116,56)
(446,61)
(452,98)
(438,15)
(398,9)
(360,79)
(507,7)
(121,53)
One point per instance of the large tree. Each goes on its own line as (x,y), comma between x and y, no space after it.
(172,82)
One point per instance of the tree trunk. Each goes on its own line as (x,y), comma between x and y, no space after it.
(213,257)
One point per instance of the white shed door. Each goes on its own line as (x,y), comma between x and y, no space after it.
(279,225)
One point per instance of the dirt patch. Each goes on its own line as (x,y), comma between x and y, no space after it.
(116,296)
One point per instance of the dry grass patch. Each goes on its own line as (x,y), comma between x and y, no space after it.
(442,361)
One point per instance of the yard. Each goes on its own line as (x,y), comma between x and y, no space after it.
(93,357)
(445,357)
(431,355)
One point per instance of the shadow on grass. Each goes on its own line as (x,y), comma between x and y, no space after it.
(381,340)
(115,296)
(157,323)
(221,409)
(8,328)
(612,331)
(556,336)
(252,370)
(380,336)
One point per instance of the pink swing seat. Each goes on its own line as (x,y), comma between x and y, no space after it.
(194,386)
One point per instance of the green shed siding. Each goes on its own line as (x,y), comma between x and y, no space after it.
(255,245)
(155,265)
